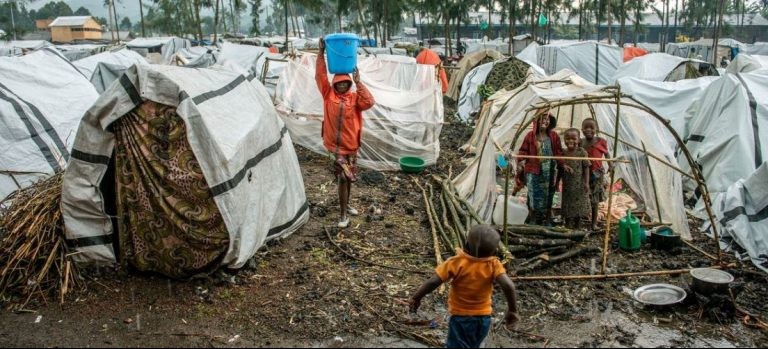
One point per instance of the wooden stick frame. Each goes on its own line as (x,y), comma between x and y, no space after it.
(613,95)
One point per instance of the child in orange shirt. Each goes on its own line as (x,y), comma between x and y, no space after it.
(472,273)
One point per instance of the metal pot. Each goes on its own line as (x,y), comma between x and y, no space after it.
(707,281)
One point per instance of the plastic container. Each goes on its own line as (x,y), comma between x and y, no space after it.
(516,211)
(629,232)
(411,164)
(341,50)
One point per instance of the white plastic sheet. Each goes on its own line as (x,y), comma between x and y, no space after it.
(241,145)
(166,46)
(745,63)
(656,67)
(742,217)
(727,136)
(670,100)
(42,98)
(595,62)
(406,120)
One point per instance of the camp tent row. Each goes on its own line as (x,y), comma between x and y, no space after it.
(104,68)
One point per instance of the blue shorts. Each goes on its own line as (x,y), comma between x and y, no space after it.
(467,331)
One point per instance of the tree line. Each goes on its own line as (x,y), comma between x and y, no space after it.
(383,19)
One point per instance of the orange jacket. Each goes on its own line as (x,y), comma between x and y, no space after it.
(343,139)
(427,56)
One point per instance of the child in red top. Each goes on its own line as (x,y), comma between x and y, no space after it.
(472,273)
(342,126)
(596,147)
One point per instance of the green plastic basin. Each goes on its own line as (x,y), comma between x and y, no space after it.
(411,164)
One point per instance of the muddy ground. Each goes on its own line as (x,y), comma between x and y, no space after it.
(304,291)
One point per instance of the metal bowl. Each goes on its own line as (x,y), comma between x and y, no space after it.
(659,294)
(707,281)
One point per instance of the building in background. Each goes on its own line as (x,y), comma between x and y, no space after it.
(72,28)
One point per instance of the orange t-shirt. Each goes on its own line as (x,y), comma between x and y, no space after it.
(472,284)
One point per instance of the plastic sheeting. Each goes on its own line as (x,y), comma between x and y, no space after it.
(16,47)
(758,48)
(470,100)
(166,46)
(123,58)
(657,67)
(76,52)
(595,62)
(466,64)
(239,142)
(506,113)
(528,55)
(382,51)
(406,120)
(670,100)
(745,63)
(42,98)
(703,48)
(727,136)
(197,57)
(742,217)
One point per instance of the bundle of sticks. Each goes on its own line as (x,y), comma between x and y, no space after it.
(34,258)
(525,247)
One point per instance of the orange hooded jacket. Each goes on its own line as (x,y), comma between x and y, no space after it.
(343,139)
(427,56)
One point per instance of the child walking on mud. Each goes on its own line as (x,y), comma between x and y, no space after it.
(472,273)
(342,126)
(596,147)
(575,203)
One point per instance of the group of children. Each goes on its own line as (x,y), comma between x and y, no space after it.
(582,180)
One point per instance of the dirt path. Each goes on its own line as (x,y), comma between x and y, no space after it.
(303,291)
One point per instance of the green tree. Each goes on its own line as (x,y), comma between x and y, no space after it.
(23,20)
(256,12)
(82,11)
(126,24)
(54,9)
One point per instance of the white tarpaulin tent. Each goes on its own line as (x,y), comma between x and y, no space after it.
(670,100)
(253,60)
(80,51)
(467,63)
(42,98)
(758,48)
(703,48)
(382,51)
(239,144)
(727,136)
(660,67)
(742,217)
(528,55)
(197,57)
(165,46)
(104,68)
(595,62)
(15,47)
(507,112)
(406,120)
(470,100)
(745,63)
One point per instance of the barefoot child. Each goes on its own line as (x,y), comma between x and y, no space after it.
(575,181)
(472,273)
(596,147)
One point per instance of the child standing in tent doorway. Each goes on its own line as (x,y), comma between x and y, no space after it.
(472,272)
(342,127)
(596,147)
(575,181)
(539,171)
